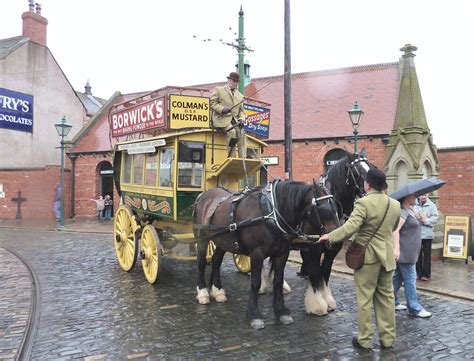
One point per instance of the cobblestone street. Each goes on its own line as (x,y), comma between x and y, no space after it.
(91,309)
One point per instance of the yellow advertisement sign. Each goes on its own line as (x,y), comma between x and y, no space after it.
(456,236)
(187,111)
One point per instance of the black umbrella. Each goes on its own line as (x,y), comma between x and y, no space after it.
(418,188)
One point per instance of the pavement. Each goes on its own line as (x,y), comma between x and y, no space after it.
(83,317)
(451,278)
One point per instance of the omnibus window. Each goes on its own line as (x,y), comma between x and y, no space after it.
(166,167)
(127,167)
(138,160)
(151,169)
(190,169)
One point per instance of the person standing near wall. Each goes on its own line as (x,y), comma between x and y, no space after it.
(409,234)
(57,202)
(427,214)
(99,206)
(108,208)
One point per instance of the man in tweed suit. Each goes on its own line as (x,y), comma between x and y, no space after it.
(227,104)
(373,281)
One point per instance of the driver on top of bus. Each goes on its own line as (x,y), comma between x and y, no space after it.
(227,104)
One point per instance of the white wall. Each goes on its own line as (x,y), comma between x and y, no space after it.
(31,69)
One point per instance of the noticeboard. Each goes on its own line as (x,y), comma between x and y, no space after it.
(457,237)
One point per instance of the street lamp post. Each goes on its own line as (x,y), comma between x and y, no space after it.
(355,114)
(63,129)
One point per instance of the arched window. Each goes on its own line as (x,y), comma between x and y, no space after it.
(401,170)
(332,157)
(427,170)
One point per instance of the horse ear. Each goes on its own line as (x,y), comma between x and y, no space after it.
(363,152)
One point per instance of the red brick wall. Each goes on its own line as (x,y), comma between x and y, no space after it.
(87,187)
(308,157)
(38,187)
(457,168)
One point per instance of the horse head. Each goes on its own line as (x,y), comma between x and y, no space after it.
(322,214)
(357,167)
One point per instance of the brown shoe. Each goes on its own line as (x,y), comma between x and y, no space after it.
(424,278)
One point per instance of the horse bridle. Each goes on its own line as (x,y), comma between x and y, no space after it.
(317,203)
(354,174)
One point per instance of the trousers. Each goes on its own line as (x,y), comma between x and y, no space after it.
(374,287)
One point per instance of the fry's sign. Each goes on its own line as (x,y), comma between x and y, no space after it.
(137,118)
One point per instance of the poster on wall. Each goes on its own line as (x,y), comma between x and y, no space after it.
(257,120)
(457,237)
(16,111)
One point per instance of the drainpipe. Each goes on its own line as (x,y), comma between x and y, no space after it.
(73,183)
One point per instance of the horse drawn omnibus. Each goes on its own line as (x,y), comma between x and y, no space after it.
(166,155)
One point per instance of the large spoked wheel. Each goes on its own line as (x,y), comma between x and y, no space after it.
(242,262)
(150,253)
(126,229)
(211,248)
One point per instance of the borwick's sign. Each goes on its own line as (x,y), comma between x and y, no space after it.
(137,118)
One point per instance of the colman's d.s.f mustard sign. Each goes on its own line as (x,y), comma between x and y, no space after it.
(188,111)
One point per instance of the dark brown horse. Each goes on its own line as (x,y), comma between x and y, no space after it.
(260,223)
(345,181)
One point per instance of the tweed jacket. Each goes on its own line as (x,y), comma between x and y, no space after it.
(365,218)
(222,98)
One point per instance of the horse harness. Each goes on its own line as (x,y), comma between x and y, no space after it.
(352,173)
(268,202)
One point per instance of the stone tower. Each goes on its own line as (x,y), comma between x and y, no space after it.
(411,153)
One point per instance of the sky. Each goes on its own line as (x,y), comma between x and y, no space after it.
(144,45)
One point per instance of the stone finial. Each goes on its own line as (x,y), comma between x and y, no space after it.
(88,88)
(38,8)
(31,5)
(408,49)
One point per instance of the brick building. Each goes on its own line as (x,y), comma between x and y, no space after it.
(34,95)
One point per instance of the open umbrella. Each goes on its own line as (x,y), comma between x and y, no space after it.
(418,188)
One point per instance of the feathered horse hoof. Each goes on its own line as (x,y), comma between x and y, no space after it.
(286,319)
(257,324)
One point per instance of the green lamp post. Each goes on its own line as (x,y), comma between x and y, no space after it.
(63,129)
(355,114)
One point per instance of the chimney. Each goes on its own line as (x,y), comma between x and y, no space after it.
(34,25)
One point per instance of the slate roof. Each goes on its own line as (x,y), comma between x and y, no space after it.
(7,46)
(96,136)
(320,101)
(91,102)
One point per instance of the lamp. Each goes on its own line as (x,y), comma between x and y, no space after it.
(355,114)
(63,129)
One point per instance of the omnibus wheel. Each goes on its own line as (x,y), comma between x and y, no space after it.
(242,262)
(150,251)
(126,229)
